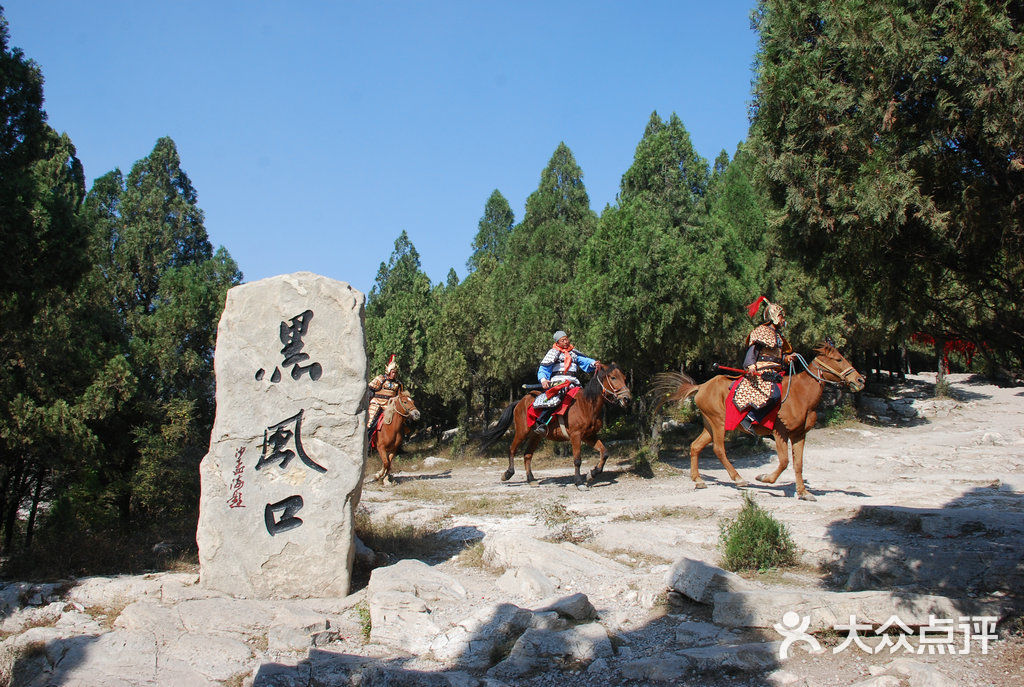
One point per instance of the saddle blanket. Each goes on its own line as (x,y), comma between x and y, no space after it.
(734,415)
(532,413)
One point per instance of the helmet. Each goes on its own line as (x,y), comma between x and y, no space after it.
(392,364)
(773,313)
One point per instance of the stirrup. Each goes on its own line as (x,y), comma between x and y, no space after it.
(747,425)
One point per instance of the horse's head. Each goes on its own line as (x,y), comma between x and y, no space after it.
(613,384)
(834,367)
(405,407)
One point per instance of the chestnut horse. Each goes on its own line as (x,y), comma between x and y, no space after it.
(579,425)
(392,431)
(801,394)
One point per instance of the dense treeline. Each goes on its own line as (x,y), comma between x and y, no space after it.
(109,301)
(878,196)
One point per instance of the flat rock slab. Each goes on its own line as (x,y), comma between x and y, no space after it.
(561,563)
(826,610)
(401,598)
(701,581)
(284,471)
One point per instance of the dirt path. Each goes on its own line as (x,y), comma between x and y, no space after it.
(929,499)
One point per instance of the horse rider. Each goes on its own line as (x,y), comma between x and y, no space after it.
(768,353)
(384,388)
(558,372)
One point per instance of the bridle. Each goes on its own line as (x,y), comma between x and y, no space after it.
(843,375)
(399,406)
(613,394)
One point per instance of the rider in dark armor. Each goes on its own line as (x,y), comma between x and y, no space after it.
(768,353)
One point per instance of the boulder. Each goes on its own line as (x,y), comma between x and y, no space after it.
(918,674)
(474,642)
(284,471)
(670,668)
(700,581)
(401,598)
(746,657)
(541,650)
(575,607)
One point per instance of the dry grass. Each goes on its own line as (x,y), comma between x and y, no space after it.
(467,504)
(397,539)
(666,512)
(474,557)
(236,680)
(632,557)
(107,614)
(566,526)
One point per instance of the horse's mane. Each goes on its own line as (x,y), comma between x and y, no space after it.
(593,389)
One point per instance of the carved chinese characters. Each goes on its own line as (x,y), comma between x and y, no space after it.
(282,478)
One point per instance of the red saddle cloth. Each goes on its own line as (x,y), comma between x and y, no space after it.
(734,415)
(531,412)
(376,428)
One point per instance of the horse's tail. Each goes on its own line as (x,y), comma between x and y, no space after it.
(669,387)
(492,434)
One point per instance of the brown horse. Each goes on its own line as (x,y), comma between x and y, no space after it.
(801,394)
(392,431)
(579,425)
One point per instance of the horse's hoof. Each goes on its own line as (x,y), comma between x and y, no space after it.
(583,487)
(507,475)
(700,485)
(806,496)
(764,478)
(530,479)
(742,483)
(595,472)
(388,482)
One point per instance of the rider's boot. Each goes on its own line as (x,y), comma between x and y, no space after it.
(746,424)
(541,425)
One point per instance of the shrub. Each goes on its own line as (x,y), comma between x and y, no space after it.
(755,540)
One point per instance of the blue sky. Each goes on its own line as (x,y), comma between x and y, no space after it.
(315,132)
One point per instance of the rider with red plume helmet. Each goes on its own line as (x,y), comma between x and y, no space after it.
(767,354)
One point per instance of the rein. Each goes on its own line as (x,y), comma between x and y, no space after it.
(399,406)
(614,394)
(821,366)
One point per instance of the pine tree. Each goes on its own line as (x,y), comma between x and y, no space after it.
(890,133)
(537,272)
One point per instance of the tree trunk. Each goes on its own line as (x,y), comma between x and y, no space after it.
(18,484)
(36,493)
(487,405)
(940,377)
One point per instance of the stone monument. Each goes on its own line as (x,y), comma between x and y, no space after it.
(284,472)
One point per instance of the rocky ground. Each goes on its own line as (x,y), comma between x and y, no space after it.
(919,513)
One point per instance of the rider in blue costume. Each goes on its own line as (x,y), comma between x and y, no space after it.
(561,364)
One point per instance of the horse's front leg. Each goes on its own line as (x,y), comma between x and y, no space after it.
(798,468)
(517,439)
(596,444)
(380,473)
(531,446)
(781,448)
(388,481)
(577,459)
